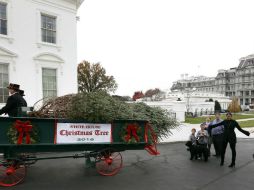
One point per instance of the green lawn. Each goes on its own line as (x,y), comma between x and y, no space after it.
(249,112)
(246,123)
(198,120)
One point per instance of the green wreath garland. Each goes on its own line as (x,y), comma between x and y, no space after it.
(13,134)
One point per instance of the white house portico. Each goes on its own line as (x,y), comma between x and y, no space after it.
(38,47)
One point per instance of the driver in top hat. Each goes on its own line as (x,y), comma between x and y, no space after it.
(22,93)
(14,101)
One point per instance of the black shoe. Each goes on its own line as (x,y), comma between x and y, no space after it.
(215,155)
(222,163)
(231,165)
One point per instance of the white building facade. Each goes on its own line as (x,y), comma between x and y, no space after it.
(38,47)
(176,108)
(200,101)
(195,102)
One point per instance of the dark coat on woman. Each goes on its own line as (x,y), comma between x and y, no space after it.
(229,130)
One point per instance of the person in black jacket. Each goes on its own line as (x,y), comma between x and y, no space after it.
(22,93)
(229,136)
(14,101)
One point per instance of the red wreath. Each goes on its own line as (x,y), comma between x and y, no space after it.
(23,128)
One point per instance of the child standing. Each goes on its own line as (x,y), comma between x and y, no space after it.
(192,137)
(192,144)
(202,138)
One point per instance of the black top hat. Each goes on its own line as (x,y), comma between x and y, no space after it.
(21,92)
(13,86)
(229,113)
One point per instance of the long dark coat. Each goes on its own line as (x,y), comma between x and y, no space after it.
(229,130)
(12,105)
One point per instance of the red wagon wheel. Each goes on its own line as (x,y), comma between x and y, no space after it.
(108,162)
(11,173)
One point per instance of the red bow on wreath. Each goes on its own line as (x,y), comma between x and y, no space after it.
(23,128)
(131,132)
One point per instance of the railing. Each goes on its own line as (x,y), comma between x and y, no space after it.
(200,113)
(172,115)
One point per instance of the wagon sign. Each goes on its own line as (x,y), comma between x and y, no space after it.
(73,133)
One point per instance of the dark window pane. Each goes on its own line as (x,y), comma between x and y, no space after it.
(48,28)
(3,27)
(54,37)
(43,21)
(51,35)
(3,11)
(44,35)
(54,25)
(3,82)
(50,24)
(49,82)
(5,92)
(3,19)
(48,38)
(5,98)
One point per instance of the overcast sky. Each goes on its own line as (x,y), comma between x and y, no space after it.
(150,43)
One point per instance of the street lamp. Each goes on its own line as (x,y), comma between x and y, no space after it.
(189,92)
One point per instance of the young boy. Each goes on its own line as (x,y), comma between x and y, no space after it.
(202,138)
(192,144)
(192,137)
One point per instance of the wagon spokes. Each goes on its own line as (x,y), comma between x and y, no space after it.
(11,173)
(108,162)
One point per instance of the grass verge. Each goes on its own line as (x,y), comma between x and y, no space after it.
(246,124)
(198,120)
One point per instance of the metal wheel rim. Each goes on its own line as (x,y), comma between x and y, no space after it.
(13,178)
(108,162)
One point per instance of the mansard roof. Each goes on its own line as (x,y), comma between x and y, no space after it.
(246,61)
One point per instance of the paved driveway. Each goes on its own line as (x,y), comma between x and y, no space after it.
(171,170)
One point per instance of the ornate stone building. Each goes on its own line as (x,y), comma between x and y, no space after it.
(244,80)
(225,82)
(238,81)
(199,83)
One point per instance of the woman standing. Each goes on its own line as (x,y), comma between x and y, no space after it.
(209,142)
(229,136)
